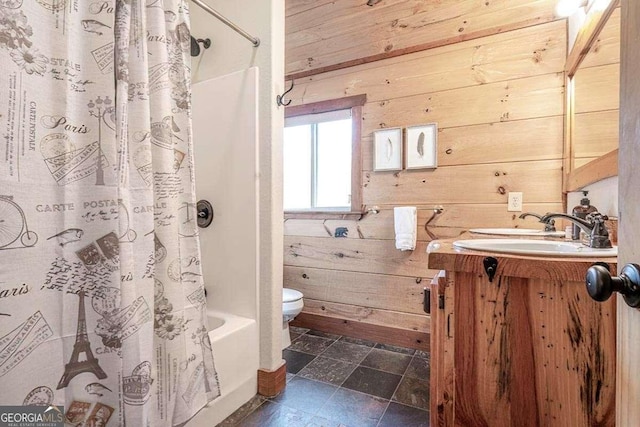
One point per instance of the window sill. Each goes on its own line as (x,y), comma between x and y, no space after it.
(323,215)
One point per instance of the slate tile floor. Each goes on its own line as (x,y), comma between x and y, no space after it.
(337,381)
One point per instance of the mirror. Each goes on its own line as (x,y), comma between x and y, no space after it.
(593,82)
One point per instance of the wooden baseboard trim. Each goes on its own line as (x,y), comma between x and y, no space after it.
(271,383)
(382,334)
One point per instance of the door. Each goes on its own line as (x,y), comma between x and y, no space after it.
(628,336)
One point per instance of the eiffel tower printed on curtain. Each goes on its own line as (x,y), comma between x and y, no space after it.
(82,345)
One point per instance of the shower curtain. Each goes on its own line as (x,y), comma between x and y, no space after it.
(102,305)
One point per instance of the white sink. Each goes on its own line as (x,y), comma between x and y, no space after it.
(535,247)
(517,232)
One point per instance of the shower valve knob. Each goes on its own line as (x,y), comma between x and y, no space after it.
(601,285)
(205,213)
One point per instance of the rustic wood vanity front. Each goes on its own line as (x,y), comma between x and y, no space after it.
(529,348)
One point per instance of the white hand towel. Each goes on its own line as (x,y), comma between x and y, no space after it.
(405,220)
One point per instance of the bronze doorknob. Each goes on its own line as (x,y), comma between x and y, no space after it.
(600,283)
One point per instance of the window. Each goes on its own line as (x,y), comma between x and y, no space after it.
(322,164)
(317,161)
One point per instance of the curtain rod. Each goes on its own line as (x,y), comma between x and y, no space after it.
(254,40)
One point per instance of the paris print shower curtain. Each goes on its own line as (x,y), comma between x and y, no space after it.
(102,305)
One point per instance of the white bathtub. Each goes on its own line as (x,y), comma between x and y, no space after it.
(235,347)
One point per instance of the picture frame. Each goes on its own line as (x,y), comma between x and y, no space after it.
(387,149)
(421,150)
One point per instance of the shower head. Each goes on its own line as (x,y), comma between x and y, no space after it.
(195,45)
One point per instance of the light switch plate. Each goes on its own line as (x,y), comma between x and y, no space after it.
(514,203)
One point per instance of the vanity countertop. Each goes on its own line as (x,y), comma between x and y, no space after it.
(444,256)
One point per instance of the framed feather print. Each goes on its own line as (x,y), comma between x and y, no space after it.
(421,146)
(387,149)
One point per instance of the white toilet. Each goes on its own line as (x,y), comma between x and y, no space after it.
(291,306)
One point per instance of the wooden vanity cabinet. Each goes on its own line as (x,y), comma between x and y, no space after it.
(529,348)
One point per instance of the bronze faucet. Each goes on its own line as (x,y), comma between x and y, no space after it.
(549,225)
(592,225)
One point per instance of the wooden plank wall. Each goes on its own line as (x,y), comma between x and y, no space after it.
(498,103)
(323,35)
(597,90)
